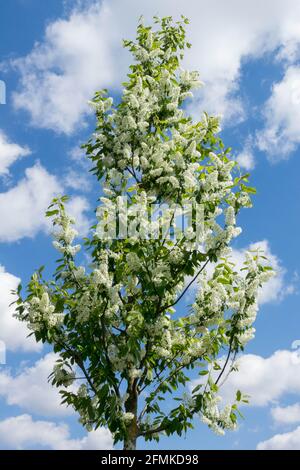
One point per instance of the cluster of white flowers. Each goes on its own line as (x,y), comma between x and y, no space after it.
(89,302)
(162,335)
(79,273)
(228,291)
(134,373)
(65,234)
(106,214)
(176,255)
(82,391)
(125,361)
(160,273)
(217,238)
(246,336)
(84,307)
(211,300)
(41,313)
(101,106)
(100,275)
(84,412)
(127,417)
(196,347)
(218,420)
(160,160)
(133,262)
(63,376)
(230,216)
(190,79)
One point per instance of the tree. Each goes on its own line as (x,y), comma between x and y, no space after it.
(113,324)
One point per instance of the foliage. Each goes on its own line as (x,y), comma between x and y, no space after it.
(114,324)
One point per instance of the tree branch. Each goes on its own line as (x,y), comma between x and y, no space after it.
(186,289)
(226,362)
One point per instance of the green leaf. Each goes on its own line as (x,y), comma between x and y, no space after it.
(51,213)
(248,189)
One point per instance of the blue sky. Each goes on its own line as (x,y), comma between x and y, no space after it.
(53,56)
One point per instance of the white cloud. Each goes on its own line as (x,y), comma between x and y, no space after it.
(99,439)
(246,159)
(78,155)
(281,134)
(12,331)
(9,153)
(266,380)
(22,208)
(83,52)
(78,176)
(219,96)
(22,432)
(286,414)
(286,441)
(62,73)
(77,180)
(30,390)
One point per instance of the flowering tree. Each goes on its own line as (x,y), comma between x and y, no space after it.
(123,350)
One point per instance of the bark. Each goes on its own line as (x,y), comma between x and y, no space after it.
(131,406)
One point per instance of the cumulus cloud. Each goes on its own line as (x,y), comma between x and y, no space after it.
(266,380)
(285,441)
(22,207)
(286,414)
(82,52)
(9,153)
(22,432)
(281,134)
(246,159)
(12,332)
(77,180)
(62,72)
(30,390)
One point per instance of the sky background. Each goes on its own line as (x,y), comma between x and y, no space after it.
(53,55)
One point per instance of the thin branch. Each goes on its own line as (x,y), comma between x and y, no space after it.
(118,329)
(226,362)
(186,289)
(82,366)
(153,431)
(230,369)
(79,361)
(167,379)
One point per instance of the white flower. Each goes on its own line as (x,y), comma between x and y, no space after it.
(63,376)
(82,391)
(230,216)
(135,373)
(73,250)
(54,320)
(246,336)
(128,417)
(45,305)
(133,261)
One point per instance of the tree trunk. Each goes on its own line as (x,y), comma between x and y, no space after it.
(131,406)
(130,441)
